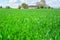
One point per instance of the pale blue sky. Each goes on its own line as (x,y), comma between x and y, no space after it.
(15,3)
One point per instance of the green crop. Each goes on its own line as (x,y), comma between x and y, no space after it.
(29,24)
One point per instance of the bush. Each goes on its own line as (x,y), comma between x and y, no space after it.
(37,6)
(49,7)
(41,6)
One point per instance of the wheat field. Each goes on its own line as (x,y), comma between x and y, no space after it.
(29,24)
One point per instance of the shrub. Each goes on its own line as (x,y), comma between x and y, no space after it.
(41,6)
(37,7)
(49,7)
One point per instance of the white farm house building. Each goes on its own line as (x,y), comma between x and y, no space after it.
(31,3)
(34,3)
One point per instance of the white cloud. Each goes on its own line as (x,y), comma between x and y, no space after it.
(53,3)
(12,1)
(0,4)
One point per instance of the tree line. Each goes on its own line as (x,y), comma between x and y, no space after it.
(25,6)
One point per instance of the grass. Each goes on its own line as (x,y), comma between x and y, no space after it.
(29,24)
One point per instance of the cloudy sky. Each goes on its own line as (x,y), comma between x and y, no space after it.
(15,3)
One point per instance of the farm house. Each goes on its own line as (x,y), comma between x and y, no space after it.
(34,3)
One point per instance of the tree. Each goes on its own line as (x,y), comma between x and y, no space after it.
(19,7)
(8,7)
(37,4)
(50,7)
(24,5)
(37,7)
(42,4)
(0,6)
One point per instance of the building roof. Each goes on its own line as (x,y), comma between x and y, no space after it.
(32,6)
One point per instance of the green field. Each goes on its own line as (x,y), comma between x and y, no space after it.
(29,24)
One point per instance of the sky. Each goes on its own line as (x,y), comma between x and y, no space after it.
(15,3)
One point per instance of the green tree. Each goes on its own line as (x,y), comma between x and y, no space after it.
(0,6)
(19,7)
(24,5)
(42,4)
(8,7)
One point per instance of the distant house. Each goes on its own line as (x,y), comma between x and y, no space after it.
(32,6)
(37,4)
(42,2)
